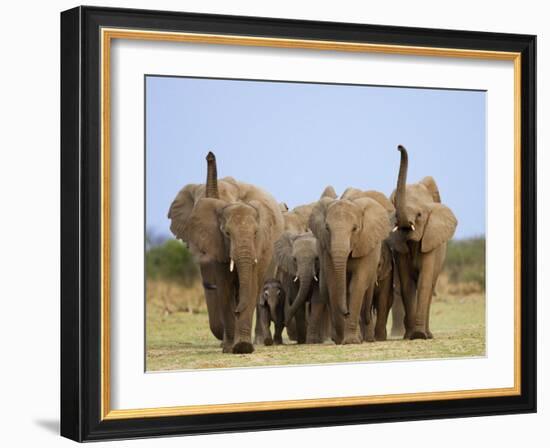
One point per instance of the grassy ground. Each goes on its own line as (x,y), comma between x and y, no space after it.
(179,338)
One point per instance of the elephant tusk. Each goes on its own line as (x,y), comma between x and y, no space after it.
(255,261)
(412,227)
(231,265)
(315,277)
(395,229)
(295,279)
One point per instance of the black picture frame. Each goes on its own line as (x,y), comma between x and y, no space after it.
(81,226)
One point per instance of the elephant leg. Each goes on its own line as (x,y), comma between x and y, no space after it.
(326,328)
(425,290)
(337,319)
(397,307)
(383,305)
(314,326)
(301,326)
(357,290)
(215,320)
(369,317)
(428,332)
(260,327)
(263,321)
(291,330)
(408,293)
(227,299)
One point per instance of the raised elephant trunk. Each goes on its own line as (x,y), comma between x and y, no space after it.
(303,292)
(212,177)
(400,195)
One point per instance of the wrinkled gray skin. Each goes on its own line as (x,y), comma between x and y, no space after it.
(423,225)
(230,228)
(298,264)
(271,308)
(350,232)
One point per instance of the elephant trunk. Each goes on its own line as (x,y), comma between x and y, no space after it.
(303,292)
(212,177)
(339,252)
(244,261)
(400,195)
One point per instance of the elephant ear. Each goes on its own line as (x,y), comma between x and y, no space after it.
(202,229)
(375,227)
(317,222)
(430,184)
(329,192)
(440,227)
(283,253)
(180,210)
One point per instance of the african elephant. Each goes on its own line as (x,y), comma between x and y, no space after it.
(230,227)
(423,225)
(298,265)
(384,291)
(271,308)
(349,233)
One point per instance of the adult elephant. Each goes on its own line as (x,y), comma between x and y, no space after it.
(423,225)
(386,276)
(350,233)
(230,227)
(298,263)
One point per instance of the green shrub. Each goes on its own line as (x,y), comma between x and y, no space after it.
(171,261)
(466,261)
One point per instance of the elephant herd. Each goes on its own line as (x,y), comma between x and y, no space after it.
(331,269)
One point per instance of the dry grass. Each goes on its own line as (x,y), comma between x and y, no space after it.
(178,336)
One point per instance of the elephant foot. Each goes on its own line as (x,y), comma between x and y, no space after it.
(397,332)
(243,347)
(278,341)
(352,340)
(419,334)
(268,341)
(314,340)
(429,334)
(227,348)
(258,339)
(381,336)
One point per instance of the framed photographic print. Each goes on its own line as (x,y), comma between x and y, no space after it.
(273,223)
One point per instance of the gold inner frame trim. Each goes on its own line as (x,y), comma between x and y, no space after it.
(107,35)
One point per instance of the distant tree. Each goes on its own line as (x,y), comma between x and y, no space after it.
(465,261)
(171,261)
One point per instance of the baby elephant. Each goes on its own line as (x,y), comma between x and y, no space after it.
(271,309)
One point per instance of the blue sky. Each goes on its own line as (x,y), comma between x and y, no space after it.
(293,139)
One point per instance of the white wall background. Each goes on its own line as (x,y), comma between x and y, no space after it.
(29,228)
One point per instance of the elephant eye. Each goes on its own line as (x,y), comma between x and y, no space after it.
(419,214)
(327,227)
(355,227)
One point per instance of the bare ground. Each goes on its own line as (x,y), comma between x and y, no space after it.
(179,338)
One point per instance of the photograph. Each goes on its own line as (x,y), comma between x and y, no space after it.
(299,223)
(272,223)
